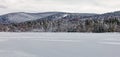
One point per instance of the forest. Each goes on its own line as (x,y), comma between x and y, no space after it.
(64,25)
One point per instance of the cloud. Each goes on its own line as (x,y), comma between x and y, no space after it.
(95,6)
(3,7)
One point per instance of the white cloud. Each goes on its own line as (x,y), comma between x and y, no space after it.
(95,6)
(111,3)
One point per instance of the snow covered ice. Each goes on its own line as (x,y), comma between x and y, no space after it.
(59,44)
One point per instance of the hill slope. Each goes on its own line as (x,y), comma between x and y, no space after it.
(60,22)
(22,16)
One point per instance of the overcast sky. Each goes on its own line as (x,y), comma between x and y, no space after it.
(79,6)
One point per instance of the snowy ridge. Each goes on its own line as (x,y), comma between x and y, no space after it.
(19,17)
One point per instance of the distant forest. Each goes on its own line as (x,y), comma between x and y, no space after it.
(64,25)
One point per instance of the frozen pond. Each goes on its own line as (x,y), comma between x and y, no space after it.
(59,44)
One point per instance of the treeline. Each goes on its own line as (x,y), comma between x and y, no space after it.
(64,25)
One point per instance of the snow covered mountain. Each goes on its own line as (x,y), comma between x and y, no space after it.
(19,17)
(22,17)
(60,22)
(109,15)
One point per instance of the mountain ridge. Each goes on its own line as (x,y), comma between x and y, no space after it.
(60,22)
(18,17)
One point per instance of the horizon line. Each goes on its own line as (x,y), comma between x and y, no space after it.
(57,11)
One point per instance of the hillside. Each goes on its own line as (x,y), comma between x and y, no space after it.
(60,22)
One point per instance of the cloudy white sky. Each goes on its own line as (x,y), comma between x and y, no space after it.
(81,6)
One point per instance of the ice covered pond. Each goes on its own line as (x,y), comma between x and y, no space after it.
(59,44)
